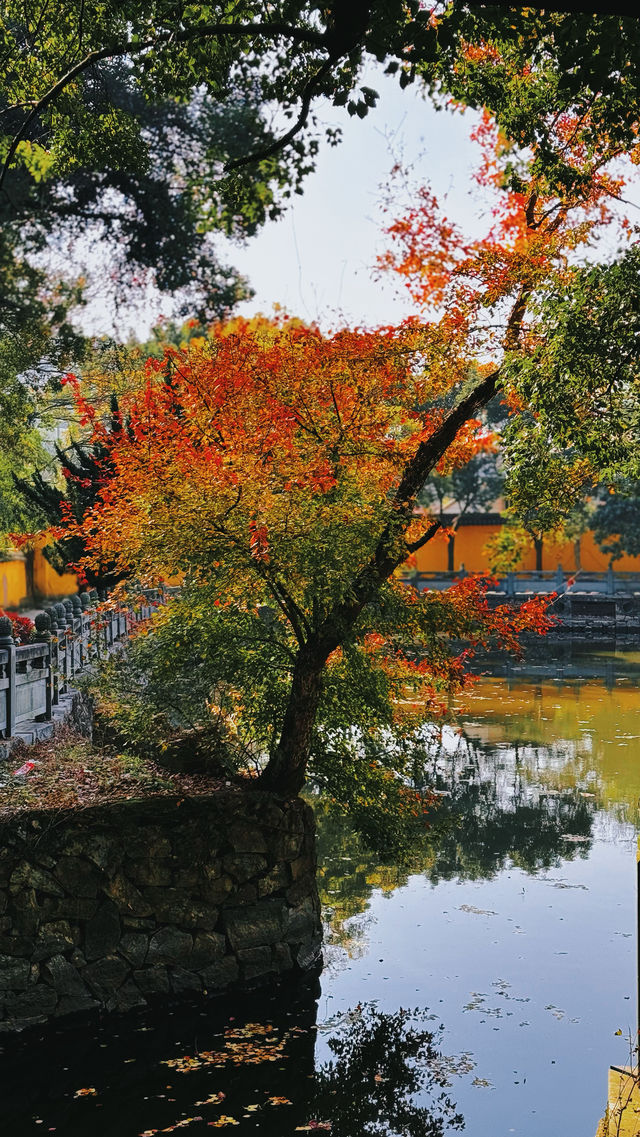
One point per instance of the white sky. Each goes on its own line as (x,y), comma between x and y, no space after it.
(318,261)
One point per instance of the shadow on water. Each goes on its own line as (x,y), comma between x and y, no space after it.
(249,1065)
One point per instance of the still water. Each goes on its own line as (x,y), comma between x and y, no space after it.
(488,988)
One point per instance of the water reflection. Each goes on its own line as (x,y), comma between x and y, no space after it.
(383,1068)
(539,783)
(514,924)
(253,1070)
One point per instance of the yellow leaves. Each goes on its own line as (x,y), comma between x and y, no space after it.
(222,1121)
(213,1099)
(278,1101)
(184,1123)
(87,1092)
(241,1048)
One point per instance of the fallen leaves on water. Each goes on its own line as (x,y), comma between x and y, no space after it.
(87,1092)
(278,1101)
(313,1125)
(213,1099)
(250,1045)
(171,1128)
(222,1121)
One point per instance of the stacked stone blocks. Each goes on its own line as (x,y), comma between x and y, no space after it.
(138,901)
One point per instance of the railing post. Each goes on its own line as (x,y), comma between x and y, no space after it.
(68,607)
(7,644)
(63,645)
(43,628)
(85,629)
(76,606)
(54,655)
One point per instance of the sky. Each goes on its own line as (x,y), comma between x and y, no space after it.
(318,261)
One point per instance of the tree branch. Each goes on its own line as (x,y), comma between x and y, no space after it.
(390,551)
(204,31)
(426,537)
(299,124)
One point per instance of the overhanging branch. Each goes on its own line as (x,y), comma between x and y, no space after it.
(164,39)
(413,546)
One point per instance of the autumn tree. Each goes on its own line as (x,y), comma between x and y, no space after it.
(280,469)
(71,488)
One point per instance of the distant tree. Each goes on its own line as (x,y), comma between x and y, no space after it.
(472,488)
(616,521)
(70,490)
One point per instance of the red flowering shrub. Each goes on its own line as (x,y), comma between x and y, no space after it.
(23,627)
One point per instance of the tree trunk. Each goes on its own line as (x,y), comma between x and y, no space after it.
(537,543)
(576,554)
(285,771)
(451,543)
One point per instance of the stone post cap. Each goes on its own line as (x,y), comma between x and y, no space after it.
(42,623)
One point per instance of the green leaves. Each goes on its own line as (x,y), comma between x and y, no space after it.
(581,383)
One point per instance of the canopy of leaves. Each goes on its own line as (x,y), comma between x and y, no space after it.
(581,381)
(294,52)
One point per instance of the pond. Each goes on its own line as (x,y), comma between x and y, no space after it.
(489,987)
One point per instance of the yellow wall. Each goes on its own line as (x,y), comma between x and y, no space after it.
(13,582)
(48,583)
(469,549)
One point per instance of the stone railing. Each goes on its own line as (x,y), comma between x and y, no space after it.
(70,637)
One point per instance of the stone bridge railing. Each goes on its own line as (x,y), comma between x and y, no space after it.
(70,637)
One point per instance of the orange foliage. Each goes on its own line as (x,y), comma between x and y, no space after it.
(266,433)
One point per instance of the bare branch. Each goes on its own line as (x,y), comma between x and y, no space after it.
(300,123)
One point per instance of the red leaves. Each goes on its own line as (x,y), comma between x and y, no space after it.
(22,627)
(258,542)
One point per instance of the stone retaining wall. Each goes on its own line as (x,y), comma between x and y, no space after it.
(123,904)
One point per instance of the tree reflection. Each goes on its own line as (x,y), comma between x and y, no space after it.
(499,816)
(381,1064)
(492,814)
